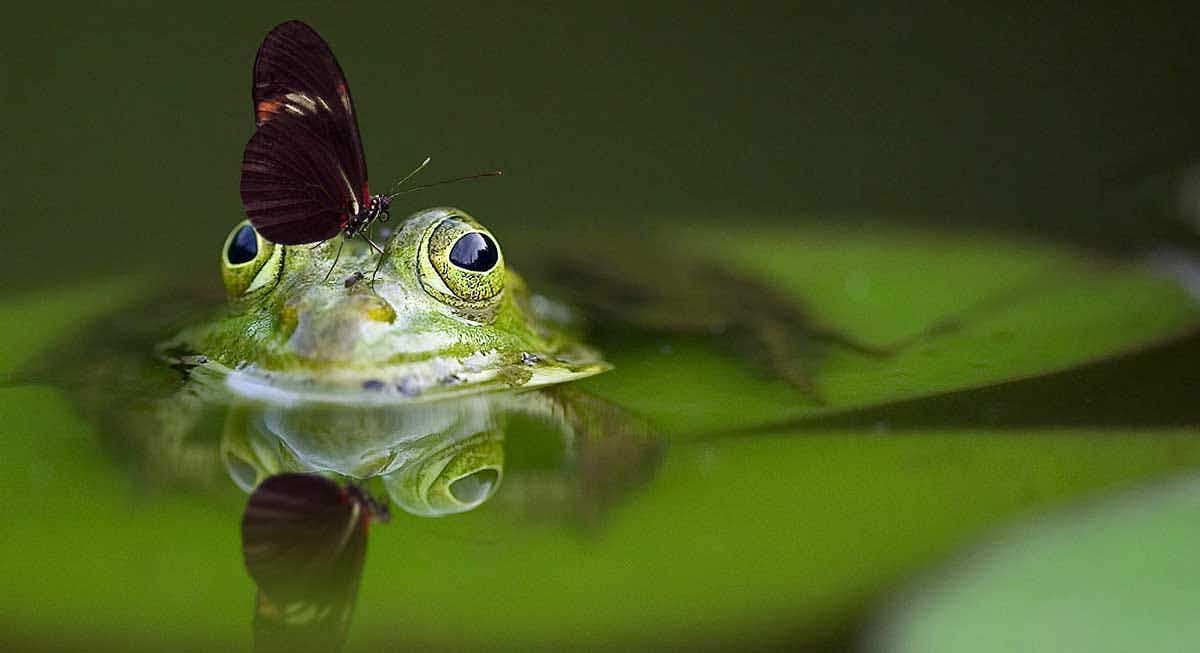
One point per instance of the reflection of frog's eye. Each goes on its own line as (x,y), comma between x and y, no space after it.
(249,261)
(467,265)
(459,477)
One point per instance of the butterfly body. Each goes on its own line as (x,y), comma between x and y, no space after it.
(376,210)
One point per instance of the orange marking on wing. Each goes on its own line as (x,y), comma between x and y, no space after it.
(267,110)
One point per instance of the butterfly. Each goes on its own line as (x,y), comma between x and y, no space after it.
(304,175)
(304,540)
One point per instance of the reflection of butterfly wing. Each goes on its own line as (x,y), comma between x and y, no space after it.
(301,178)
(304,539)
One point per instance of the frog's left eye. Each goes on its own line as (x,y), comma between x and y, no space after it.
(463,265)
(249,261)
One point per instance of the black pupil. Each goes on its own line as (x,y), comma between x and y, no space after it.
(244,246)
(475,252)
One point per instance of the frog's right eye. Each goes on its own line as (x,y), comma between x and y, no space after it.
(249,261)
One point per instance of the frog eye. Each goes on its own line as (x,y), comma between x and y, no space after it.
(243,246)
(249,261)
(474,251)
(467,262)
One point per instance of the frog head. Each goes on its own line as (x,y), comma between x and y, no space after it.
(437,312)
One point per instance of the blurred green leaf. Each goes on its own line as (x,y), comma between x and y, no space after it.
(1118,576)
(978,309)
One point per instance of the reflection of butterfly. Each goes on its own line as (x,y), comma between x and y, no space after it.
(304,176)
(304,539)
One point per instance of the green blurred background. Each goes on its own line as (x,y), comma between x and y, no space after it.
(125,123)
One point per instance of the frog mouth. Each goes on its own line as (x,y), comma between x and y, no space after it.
(431,380)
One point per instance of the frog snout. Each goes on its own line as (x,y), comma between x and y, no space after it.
(332,330)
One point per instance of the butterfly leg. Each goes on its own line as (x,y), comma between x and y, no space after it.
(378,266)
(335,260)
(377,248)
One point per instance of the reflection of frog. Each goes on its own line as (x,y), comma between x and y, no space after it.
(443,457)
(441,316)
(304,537)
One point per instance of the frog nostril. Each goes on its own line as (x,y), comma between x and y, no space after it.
(378,309)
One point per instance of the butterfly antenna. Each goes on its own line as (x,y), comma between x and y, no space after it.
(410,175)
(490,173)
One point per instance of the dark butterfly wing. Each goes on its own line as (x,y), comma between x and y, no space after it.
(297,77)
(296,72)
(304,540)
(294,188)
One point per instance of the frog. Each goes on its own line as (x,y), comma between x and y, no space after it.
(440,314)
